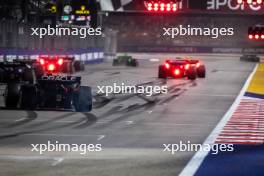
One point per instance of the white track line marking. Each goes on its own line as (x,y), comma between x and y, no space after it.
(129,122)
(21,119)
(100,137)
(57,161)
(194,164)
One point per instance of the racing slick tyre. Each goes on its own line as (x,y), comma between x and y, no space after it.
(28,97)
(83,99)
(12,94)
(29,75)
(67,67)
(39,71)
(2,75)
(201,73)
(162,73)
(133,63)
(191,74)
(82,65)
(115,62)
(79,66)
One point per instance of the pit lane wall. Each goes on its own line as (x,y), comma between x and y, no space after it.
(191,49)
(89,56)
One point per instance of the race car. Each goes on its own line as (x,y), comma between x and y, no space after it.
(49,92)
(179,68)
(125,60)
(176,69)
(250,58)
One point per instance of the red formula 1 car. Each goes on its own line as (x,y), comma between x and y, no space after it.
(180,68)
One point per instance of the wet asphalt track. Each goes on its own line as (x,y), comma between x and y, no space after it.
(131,128)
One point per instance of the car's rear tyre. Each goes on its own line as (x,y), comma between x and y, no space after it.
(28,97)
(134,63)
(82,66)
(39,71)
(191,74)
(115,62)
(29,75)
(201,72)
(12,95)
(162,73)
(79,66)
(2,75)
(83,99)
(67,67)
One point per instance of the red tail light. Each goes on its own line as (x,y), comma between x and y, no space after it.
(167,65)
(250,36)
(60,61)
(198,64)
(162,6)
(177,72)
(187,66)
(51,67)
(42,61)
(256,36)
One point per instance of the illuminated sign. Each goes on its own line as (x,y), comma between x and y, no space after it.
(51,8)
(82,11)
(65,18)
(67,9)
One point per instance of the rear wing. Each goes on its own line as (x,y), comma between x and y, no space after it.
(25,61)
(193,61)
(58,79)
(6,65)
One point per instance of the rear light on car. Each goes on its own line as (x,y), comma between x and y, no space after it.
(187,66)
(256,33)
(198,64)
(42,61)
(60,61)
(170,6)
(167,65)
(249,2)
(51,67)
(177,72)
